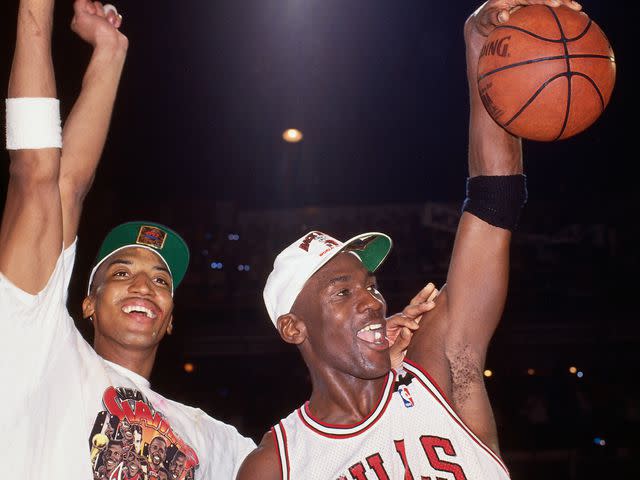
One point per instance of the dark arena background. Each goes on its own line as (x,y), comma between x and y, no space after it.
(378,89)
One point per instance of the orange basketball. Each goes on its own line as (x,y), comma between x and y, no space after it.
(546,74)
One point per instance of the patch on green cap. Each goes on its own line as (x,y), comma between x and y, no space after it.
(156,237)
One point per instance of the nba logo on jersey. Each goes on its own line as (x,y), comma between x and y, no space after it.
(405,394)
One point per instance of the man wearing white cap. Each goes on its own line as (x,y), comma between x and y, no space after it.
(432,417)
(69,410)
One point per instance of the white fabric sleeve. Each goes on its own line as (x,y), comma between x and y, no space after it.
(12,297)
(34,327)
(227,450)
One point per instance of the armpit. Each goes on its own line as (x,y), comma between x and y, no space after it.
(466,374)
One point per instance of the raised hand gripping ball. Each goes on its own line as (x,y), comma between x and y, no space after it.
(546,74)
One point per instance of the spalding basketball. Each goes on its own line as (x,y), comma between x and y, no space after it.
(546,74)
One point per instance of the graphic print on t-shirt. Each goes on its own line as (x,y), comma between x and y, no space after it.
(131,440)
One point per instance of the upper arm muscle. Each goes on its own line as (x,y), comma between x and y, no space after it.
(31,232)
(262,463)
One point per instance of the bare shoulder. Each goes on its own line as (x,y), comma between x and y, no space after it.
(263,462)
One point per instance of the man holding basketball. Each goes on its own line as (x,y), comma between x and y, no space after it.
(432,418)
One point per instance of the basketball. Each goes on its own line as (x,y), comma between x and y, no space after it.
(547,74)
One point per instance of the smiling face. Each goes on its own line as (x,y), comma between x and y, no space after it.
(133,464)
(344,317)
(176,467)
(130,301)
(113,456)
(157,451)
(126,431)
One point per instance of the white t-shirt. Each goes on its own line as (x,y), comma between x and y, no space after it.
(66,413)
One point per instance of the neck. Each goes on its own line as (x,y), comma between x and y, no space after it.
(138,361)
(343,399)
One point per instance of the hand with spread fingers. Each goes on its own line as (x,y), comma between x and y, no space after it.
(495,12)
(400,327)
(97,24)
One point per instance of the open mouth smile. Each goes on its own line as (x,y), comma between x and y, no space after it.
(138,309)
(374,334)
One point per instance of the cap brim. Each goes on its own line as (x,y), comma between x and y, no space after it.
(372,248)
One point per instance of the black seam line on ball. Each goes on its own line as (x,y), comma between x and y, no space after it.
(533,97)
(546,39)
(568,65)
(544,59)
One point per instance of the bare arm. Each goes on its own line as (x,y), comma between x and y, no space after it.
(31,232)
(262,463)
(85,130)
(47,187)
(453,340)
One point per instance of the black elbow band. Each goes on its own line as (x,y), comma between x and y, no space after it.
(497,200)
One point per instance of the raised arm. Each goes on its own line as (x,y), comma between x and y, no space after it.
(47,186)
(86,127)
(453,339)
(31,232)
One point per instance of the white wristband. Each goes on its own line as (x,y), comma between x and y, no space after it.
(33,122)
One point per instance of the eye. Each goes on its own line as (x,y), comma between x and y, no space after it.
(344,292)
(162,281)
(120,273)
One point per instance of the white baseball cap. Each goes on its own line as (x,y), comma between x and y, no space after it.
(300,260)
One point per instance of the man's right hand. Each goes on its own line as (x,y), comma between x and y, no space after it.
(495,12)
(97,24)
(85,130)
(401,326)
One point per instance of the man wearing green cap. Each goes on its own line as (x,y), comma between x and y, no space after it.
(75,411)
(126,314)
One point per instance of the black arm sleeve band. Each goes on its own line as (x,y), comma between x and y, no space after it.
(496,199)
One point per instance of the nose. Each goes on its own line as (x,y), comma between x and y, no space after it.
(369,301)
(142,284)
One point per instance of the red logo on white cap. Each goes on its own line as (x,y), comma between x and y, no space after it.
(319,237)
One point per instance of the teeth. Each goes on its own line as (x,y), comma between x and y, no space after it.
(139,309)
(375,326)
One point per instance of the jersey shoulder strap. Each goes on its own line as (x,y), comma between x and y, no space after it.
(280,439)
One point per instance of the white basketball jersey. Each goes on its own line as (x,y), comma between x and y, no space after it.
(412,434)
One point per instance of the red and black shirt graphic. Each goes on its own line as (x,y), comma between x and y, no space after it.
(131,440)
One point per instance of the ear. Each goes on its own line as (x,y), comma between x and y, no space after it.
(88,308)
(292,329)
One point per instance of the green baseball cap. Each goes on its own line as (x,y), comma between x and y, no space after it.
(163,241)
